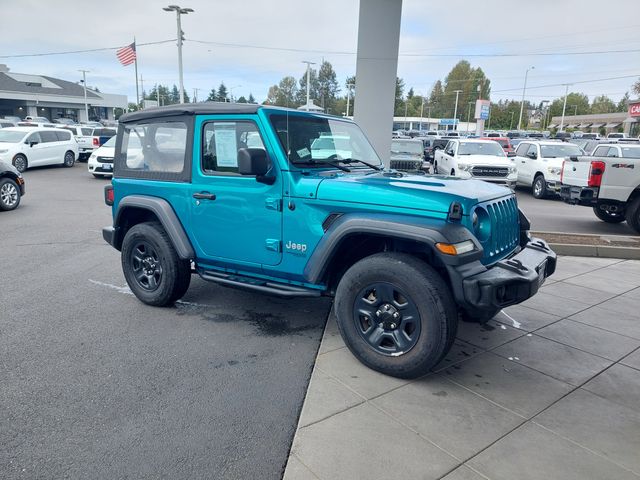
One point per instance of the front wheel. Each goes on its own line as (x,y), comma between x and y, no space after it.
(539,188)
(20,162)
(396,314)
(151,266)
(9,194)
(69,159)
(609,217)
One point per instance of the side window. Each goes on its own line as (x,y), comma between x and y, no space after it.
(532,149)
(600,151)
(86,131)
(34,137)
(48,137)
(154,147)
(63,136)
(521,151)
(613,152)
(221,141)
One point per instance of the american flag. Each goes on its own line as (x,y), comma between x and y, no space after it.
(127,55)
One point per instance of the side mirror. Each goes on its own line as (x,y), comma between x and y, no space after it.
(511,154)
(254,162)
(31,144)
(532,155)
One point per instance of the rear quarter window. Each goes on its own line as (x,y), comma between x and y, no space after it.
(63,136)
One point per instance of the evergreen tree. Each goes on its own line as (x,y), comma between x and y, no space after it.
(222,95)
(251,99)
(603,104)
(241,99)
(314,87)
(174,96)
(213,95)
(623,104)
(328,86)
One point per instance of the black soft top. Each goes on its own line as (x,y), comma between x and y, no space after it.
(204,108)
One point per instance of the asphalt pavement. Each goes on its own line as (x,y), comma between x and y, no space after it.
(553,215)
(94,384)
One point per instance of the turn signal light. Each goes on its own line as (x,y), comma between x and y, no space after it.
(456,248)
(96,142)
(108,195)
(595,173)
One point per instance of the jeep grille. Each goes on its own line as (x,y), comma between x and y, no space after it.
(505,228)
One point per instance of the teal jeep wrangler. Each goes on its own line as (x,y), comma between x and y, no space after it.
(295,204)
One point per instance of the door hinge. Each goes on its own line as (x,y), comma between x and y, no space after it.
(273,204)
(272,244)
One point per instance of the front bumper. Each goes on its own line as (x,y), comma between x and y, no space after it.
(507,282)
(572,194)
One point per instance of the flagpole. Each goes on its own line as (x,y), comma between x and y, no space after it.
(136,62)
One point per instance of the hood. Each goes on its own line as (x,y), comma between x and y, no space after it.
(104,152)
(491,160)
(418,192)
(405,156)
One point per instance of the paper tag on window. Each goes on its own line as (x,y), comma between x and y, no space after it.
(303,152)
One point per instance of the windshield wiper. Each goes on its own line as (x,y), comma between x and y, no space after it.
(352,160)
(331,164)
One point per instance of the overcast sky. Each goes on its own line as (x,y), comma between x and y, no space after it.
(325,29)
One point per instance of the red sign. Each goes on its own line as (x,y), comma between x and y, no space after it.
(634,109)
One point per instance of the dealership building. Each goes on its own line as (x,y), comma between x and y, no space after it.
(627,122)
(43,96)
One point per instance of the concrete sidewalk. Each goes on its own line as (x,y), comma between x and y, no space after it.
(549,389)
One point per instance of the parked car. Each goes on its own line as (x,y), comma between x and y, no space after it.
(6,123)
(403,254)
(101,135)
(479,159)
(64,121)
(608,181)
(11,186)
(12,118)
(504,142)
(32,147)
(427,145)
(539,164)
(407,154)
(100,163)
(615,135)
(85,139)
(37,119)
(563,136)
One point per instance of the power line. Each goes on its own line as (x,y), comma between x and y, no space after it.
(572,83)
(104,49)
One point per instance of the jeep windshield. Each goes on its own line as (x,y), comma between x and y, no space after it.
(314,141)
(410,147)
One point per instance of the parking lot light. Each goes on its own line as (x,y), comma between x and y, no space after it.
(524,89)
(179,11)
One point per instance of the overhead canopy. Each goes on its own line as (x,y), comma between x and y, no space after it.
(631,120)
(584,125)
(553,125)
(573,125)
(613,125)
(597,125)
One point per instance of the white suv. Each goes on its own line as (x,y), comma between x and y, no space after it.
(25,147)
(539,165)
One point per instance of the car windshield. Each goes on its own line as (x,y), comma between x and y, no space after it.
(630,152)
(313,140)
(560,150)
(8,136)
(110,143)
(477,148)
(403,146)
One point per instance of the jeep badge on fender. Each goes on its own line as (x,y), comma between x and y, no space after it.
(405,256)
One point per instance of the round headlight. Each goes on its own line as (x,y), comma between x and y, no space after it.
(481,223)
(475,220)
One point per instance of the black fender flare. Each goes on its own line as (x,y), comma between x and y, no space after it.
(397,226)
(167,216)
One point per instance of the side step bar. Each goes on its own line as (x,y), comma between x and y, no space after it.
(264,286)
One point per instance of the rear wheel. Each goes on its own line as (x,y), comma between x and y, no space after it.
(151,266)
(539,188)
(396,314)
(633,214)
(9,194)
(609,217)
(69,159)
(20,162)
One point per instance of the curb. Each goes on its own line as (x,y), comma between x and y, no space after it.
(582,250)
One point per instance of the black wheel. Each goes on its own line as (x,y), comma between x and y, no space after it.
(633,214)
(151,265)
(9,194)
(539,187)
(69,159)
(435,167)
(20,162)
(609,217)
(453,172)
(98,176)
(480,317)
(396,314)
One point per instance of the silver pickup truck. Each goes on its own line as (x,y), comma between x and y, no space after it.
(608,181)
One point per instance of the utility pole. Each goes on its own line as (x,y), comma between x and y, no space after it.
(511,121)
(468,115)
(455,110)
(564,106)
(84,83)
(421,112)
(141,104)
(524,89)
(195,95)
(308,79)
(179,11)
(349,86)
(575,110)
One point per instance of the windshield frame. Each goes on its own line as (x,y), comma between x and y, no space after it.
(419,146)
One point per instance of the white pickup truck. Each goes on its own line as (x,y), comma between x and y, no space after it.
(84,138)
(608,181)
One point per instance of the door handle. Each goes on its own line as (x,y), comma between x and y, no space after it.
(522,161)
(204,196)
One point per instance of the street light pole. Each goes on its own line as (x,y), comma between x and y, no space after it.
(308,79)
(179,11)
(84,83)
(455,110)
(349,85)
(511,121)
(524,89)
(421,112)
(564,106)
(468,116)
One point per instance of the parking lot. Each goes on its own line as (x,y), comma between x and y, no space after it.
(97,385)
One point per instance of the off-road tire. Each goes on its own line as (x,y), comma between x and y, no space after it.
(9,194)
(20,162)
(150,242)
(633,214)
(427,293)
(477,316)
(605,216)
(539,191)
